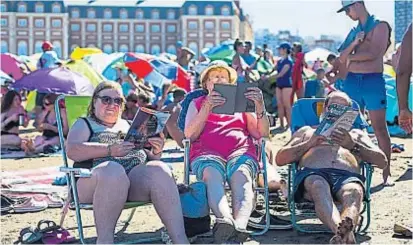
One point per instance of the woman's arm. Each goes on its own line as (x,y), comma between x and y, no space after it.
(195,121)
(283,71)
(40,119)
(257,124)
(65,123)
(77,147)
(7,120)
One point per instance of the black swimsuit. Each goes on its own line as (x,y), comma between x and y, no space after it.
(48,134)
(9,126)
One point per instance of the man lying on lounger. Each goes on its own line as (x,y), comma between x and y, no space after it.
(331,172)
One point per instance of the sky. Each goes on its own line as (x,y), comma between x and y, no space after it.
(310,17)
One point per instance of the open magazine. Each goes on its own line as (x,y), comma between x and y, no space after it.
(146,124)
(337,116)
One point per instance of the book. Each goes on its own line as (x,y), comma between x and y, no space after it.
(235,98)
(146,124)
(337,116)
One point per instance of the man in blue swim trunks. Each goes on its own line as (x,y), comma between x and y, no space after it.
(331,172)
(363,52)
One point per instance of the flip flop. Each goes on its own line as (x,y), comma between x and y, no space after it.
(30,235)
(30,205)
(56,235)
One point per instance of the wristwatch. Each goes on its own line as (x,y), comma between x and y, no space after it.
(356,149)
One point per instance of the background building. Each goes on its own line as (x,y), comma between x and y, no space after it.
(130,25)
(402,17)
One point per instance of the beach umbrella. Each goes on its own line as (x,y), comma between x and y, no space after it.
(86,70)
(5,79)
(31,61)
(156,70)
(12,66)
(79,53)
(113,60)
(97,61)
(59,80)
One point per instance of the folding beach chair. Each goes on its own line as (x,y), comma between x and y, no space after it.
(76,107)
(306,112)
(261,150)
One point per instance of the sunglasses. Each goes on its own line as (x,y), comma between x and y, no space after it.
(133,101)
(107,100)
(46,103)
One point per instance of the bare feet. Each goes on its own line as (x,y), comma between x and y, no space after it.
(386,180)
(345,234)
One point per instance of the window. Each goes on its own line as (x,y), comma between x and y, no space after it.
(155,50)
(4,47)
(22,8)
(107,14)
(107,27)
(56,23)
(56,8)
(75,13)
(139,48)
(57,46)
(91,45)
(192,25)
(39,23)
(123,48)
(194,47)
(123,27)
(209,25)
(91,27)
(192,10)
(171,15)
(225,25)
(3,22)
(22,22)
(39,8)
(209,45)
(171,49)
(140,28)
(209,10)
(123,14)
(22,48)
(75,27)
(155,28)
(225,11)
(91,14)
(3,9)
(171,28)
(139,14)
(155,15)
(38,47)
(107,48)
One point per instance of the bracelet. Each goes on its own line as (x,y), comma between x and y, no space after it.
(109,150)
(260,115)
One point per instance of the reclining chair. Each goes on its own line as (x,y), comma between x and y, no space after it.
(76,107)
(260,148)
(306,112)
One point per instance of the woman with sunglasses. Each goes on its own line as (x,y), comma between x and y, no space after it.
(46,122)
(120,172)
(12,112)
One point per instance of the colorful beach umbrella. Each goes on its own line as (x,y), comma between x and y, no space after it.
(12,66)
(97,61)
(5,79)
(31,61)
(157,71)
(86,70)
(59,80)
(79,53)
(113,60)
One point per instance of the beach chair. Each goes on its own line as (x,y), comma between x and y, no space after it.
(306,112)
(76,107)
(260,148)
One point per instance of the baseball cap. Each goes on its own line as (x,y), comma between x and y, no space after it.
(284,46)
(347,3)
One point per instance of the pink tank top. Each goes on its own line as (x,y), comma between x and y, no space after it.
(225,136)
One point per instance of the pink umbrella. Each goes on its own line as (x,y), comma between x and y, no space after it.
(12,66)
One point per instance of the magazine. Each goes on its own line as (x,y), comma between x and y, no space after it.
(147,123)
(337,116)
(235,98)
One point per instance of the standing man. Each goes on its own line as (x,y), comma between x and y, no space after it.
(363,52)
(404,72)
(184,54)
(247,56)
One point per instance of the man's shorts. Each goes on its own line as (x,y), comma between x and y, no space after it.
(368,90)
(336,178)
(199,164)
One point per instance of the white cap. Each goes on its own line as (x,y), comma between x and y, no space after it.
(347,3)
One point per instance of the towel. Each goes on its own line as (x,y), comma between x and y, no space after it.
(369,26)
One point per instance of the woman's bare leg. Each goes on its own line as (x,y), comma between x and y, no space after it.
(107,189)
(10,140)
(280,106)
(154,182)
(286,94)
(52,142)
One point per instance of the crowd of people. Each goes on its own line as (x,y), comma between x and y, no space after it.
(328,170)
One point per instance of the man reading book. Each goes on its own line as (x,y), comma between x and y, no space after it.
(331,171)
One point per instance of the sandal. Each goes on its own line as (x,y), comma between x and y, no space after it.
(30,236)
(57,236)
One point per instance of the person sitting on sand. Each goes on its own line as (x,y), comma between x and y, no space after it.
(222,150)
(131,106)
(46,122)
(120,172)
(331,172)
(11,110)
